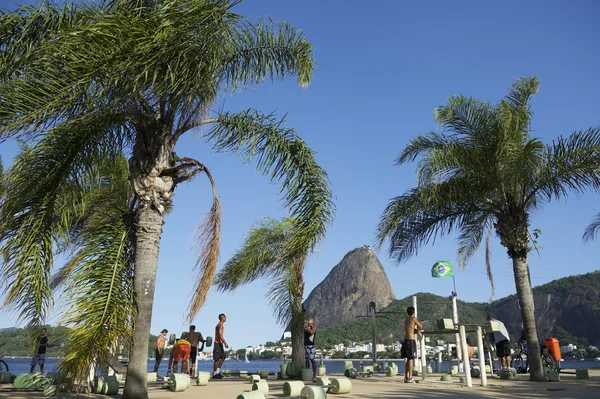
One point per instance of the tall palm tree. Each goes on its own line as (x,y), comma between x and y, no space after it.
(84,79)
(486,172)
(263,256)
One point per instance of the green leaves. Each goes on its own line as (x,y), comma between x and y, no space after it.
(286,159)
(262,255)
(485,169)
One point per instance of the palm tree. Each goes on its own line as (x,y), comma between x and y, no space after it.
(486,172)
(90,223)
(87,79)
(263,256)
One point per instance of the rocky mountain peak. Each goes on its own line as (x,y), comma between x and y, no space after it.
(348,288)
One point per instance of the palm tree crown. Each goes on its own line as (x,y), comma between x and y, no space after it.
(485,171)
(263,255)
(84,81)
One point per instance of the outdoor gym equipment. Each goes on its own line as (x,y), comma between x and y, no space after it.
(297,389)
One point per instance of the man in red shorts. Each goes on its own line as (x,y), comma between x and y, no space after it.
(181,351)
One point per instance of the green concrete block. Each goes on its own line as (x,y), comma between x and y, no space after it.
(553,376)
(445,324)
(582,374)
(506,375)
(446,378)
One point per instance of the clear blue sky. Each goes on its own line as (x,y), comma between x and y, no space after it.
(382,69)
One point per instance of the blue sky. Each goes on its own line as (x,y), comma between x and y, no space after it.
(382,69)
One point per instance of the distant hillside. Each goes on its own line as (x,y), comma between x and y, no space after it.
(14,342)
(568,309)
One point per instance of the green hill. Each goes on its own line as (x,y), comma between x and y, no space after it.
(15,342)
(568,309)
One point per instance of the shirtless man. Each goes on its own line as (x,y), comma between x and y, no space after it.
(160,348)
(194,338)
(219,354)
(409,345)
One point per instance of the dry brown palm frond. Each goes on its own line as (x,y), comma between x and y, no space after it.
(488,263)
(209,249)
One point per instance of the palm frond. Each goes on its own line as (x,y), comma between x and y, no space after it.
(281,297)
(98,278)
(466,116)
(260,255)
(521,92)
(571,164)
(285,158)
(470,236)
(592,229)
(36,215)
(267,50)
(209,239)
(424,213)
(488,263)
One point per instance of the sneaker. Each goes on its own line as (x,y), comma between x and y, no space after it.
(218,376)
(314,379)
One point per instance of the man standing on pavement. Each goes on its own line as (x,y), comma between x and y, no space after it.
(502,340)
(39,356)
(409,346)
(219,354)
(194,338)
(310,331)
(160,348)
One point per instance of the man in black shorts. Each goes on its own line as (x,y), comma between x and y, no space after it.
(195,338)
(502,340)
(409,345)
(219,354)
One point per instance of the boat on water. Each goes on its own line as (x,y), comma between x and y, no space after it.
(598,359)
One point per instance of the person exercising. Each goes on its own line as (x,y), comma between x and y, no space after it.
(310,330)
(409,345)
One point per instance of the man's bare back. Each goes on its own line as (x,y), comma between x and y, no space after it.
(194,338)
(410,325)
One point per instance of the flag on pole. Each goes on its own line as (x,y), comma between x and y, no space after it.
(442,268)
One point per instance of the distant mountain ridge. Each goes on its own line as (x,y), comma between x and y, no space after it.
(358,279)
(568,308)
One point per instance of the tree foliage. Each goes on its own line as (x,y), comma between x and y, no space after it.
(82,81)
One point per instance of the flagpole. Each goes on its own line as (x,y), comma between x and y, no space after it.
(454,281)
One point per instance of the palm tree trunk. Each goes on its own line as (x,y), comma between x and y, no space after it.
(298,340)
(148,234)
(298,321)
(525,295)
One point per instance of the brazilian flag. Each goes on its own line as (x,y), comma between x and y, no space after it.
(442,268)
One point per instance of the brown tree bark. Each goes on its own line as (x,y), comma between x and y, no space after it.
(148,235)
(525,296)
(298,322)
(152,154)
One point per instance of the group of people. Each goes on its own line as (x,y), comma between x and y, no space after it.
(185,349)
(500,339)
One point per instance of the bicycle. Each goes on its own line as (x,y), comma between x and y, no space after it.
(3,365)
(519,361)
